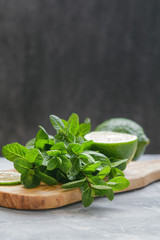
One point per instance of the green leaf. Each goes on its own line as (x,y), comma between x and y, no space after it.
(99,157)
(61,176)
(30,180)
(34,156)
(46,158)
(110,194)
(59,146)
(64,122)
(100,187)
(118,172)
(74,184)
(76,148)
(45,178)
(86,158)
(84,128)
(79,140)
(30,144)
(52,164)
(59,160)
(105,171)
(41,144)
(71,137)
(91,167)
(54,153)
(96,180)
(87,144)
(42,134)
(118,183)
(75,168)
(118,162)
(73,124)
(57,123)
(66,165)
(22,165)
(87,198)
(59,137)
(13,151)
(84,186)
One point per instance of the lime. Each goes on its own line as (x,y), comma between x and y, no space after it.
(9,178)
(113,144)
(125,125)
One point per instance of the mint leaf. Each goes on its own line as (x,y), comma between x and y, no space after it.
(64,122)
(73,124)
(13,151)
(96,180)
(86,158)
(80,140)
(105,171)
(118,162)
(100,187)
(84,128)
(46,159)
(34,156)
(110,194)
(76,148)
(118,183)
(54,153)
(52,164)
(66,165)
(91,167)
(30,180)
(87,198)
(74,184)
(59,146)
(41,144)
(57,123)
(22,165)
(99,157)
(45,178)
(87,144)
(75,168)
(61,176)
(71,137)
(42,134)
(118,172)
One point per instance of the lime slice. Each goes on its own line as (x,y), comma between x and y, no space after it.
(128,126)
(9,178)
(113,144)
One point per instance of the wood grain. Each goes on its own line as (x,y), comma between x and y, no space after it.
(139,174)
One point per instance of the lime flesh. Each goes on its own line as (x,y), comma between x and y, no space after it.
(113,144)
(9,178)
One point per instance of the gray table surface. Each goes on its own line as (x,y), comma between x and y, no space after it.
(132,215)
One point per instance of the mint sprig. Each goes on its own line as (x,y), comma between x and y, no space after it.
(67,158)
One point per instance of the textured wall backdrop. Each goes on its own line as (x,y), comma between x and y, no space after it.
(98,58)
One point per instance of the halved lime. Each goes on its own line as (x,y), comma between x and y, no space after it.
(9,178)
(113,144)
(128,126)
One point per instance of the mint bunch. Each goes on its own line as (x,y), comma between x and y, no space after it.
(66,158)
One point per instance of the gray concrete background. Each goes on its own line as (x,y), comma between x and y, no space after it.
(99,58)
(133,215)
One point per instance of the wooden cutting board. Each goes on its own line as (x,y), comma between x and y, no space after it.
(139,174)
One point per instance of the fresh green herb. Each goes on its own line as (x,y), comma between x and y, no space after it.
(67,158)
